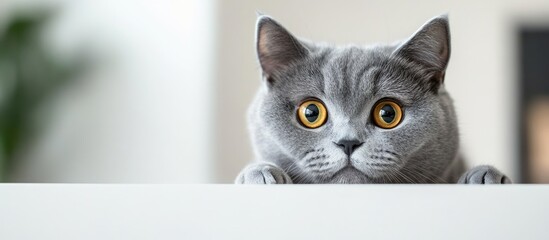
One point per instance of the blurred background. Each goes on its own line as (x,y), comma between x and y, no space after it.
(157,91)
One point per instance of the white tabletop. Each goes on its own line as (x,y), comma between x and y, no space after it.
(111,211)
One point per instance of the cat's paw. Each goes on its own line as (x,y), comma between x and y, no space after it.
(484,175)
(263,173)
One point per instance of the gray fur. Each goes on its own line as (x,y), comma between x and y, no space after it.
(423,148)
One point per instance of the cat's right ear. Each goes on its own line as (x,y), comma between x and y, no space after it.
(276,47)
(429,46)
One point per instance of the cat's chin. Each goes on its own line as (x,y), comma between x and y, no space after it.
(349,175)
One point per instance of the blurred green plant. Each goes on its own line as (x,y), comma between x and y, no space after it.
(29,75)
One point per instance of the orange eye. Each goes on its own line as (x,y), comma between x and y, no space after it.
(387,114)
(312,113)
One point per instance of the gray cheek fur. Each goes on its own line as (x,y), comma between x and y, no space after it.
(423,148)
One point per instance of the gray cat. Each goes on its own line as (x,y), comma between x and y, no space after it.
(353,114)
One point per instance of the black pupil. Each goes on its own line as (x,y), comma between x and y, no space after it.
(311,112)
(387,112)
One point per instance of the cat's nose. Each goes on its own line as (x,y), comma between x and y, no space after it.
(349,146)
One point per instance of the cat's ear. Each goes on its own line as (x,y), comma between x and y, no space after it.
(429,46)
(276,47)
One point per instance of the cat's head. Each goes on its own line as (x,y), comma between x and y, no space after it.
(353,114)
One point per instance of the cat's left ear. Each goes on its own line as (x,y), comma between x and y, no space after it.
(429,47)
(276,47)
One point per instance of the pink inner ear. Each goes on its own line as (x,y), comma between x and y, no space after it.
(262,45)
(444,52)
